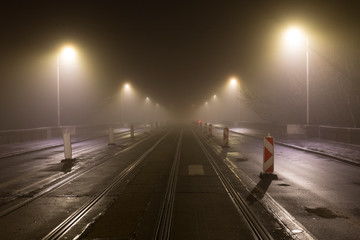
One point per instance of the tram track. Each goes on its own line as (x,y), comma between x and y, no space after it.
(163,226)
(165,218)
(69,222)
(259,231)
(57,183)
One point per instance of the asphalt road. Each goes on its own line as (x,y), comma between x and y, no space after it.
(313,197)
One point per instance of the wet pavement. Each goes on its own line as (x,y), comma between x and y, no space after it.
(349,153)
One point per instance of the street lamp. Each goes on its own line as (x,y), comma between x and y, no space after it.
(235,84)
(125,89)
(294,36)
(67,53)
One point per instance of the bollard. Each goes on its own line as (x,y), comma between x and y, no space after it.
(67,144)
(151,125)
(111,136)
(210,130)
(268,164)
(205,127)
(226,137)
(132,130)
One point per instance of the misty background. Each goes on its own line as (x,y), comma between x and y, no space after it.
(179,55)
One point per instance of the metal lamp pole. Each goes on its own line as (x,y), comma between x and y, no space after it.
(58,90)
(307,80)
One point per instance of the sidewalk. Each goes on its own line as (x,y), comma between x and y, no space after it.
(348,153)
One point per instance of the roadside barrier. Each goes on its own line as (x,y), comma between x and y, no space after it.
(226,137)
(268,164)
(132,130)
(111,136)
(67,144)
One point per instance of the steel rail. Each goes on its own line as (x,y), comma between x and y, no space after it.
(163,227)
(66,180)
(69,222)
(256,227)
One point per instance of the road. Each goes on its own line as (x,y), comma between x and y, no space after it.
(177,183)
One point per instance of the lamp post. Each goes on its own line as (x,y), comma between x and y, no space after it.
(234,83)
(68,53)
(126,88)
(293,36)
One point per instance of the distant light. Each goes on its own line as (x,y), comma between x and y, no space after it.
(127,86)
(233,82)
(206,103)
(147,98)
(69,53)
(293,36)
(214,97)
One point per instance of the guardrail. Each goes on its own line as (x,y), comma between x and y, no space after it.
(339,134)
(25,135)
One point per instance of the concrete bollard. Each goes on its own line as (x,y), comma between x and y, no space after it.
(67,144)
(226,137)
(111,136)
(132,131)
(210,130)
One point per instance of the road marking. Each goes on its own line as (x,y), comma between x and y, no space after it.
(196,170)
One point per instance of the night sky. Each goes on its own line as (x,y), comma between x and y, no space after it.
(177,52)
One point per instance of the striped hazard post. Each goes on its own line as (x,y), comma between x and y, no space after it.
(268,165)
(226,137)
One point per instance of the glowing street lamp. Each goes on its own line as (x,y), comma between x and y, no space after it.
(294,36)
(233,82)
(67,53)
(126,89)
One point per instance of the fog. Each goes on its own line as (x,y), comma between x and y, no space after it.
(178,55)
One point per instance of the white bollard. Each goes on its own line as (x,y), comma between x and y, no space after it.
(132,130)
(67,144)
(226,137)
(210,130)
(111,136)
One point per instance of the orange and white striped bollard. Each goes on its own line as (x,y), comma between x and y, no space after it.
(268,164)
